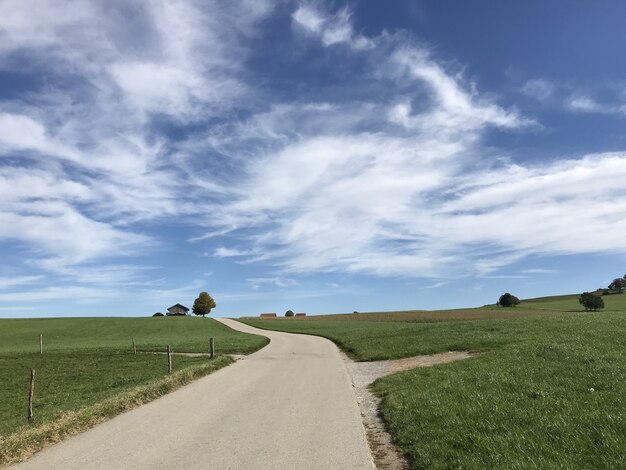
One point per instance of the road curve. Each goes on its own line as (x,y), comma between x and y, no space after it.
(290,405)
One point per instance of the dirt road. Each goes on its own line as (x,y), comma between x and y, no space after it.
(288,406)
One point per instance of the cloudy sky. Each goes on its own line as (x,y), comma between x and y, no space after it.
(316,156)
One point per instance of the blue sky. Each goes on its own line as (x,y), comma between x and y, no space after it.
(315,156)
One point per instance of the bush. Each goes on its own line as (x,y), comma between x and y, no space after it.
(158,314)
(591,301)
(289,313)
(508,300)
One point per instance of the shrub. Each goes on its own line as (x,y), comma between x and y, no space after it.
(158,314)
(289,313)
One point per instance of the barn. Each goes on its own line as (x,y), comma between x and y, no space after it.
(177,310)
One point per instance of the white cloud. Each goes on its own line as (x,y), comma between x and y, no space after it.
(586,104)
(540,271)
(385,174)
(538,88)
(331,29)
(424,200)
(277,281)
(6,282)
(223,252)
(91,166)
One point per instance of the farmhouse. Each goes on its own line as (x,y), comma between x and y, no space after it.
(268,315)
(177,309)
(300,314)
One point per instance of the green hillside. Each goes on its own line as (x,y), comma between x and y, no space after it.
(569,303)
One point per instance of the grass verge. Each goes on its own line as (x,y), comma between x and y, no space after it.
(27,440)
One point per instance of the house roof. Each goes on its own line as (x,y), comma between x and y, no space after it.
(178,305)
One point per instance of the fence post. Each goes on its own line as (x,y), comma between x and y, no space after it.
(41,344)
(212,347)
(134,347)
(169,359)
(31,391)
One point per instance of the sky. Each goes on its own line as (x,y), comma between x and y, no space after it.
(308,155)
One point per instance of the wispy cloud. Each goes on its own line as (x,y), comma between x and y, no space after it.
(277,281)
(330,28)
(6,282)
(151,115)
(91,164)
(540,271)
(586,104)
(539,88)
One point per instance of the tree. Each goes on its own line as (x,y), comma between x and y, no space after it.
(203,304)
(289,313)
(591,301)
(618,285)
(508,300)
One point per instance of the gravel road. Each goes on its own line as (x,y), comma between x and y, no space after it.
(290,405)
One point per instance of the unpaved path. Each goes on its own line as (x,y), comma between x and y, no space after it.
(387,455)
(290,405)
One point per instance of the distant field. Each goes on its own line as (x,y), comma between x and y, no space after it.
(89,361)
(548,392)
(569,303)
(428,316)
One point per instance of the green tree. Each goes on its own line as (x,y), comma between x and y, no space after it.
(618,285)
(289,313)
(591,301)
(508,300)
(203,304)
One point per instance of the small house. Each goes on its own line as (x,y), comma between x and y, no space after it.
(268,315)
(177,309)
(300,314)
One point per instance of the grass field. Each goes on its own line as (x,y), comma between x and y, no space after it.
(88,361)
(548,392)
(184,334)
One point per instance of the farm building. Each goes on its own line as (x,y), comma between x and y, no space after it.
(177,309)
(268,315)
(300,314)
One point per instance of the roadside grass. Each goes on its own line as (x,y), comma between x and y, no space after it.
(88,372)
(184,334)
(549,392)
(69,381)
(60,415)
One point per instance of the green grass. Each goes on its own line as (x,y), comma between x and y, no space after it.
(68,381)
(88,362)
(184,334)
(28,439)
(569,303)
(527,402)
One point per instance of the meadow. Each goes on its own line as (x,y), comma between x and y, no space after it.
(548,390)
(89,372)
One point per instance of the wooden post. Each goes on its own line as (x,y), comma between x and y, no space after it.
(169,359)
(40,344)
(31,391)
(134,347)
(211,347)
